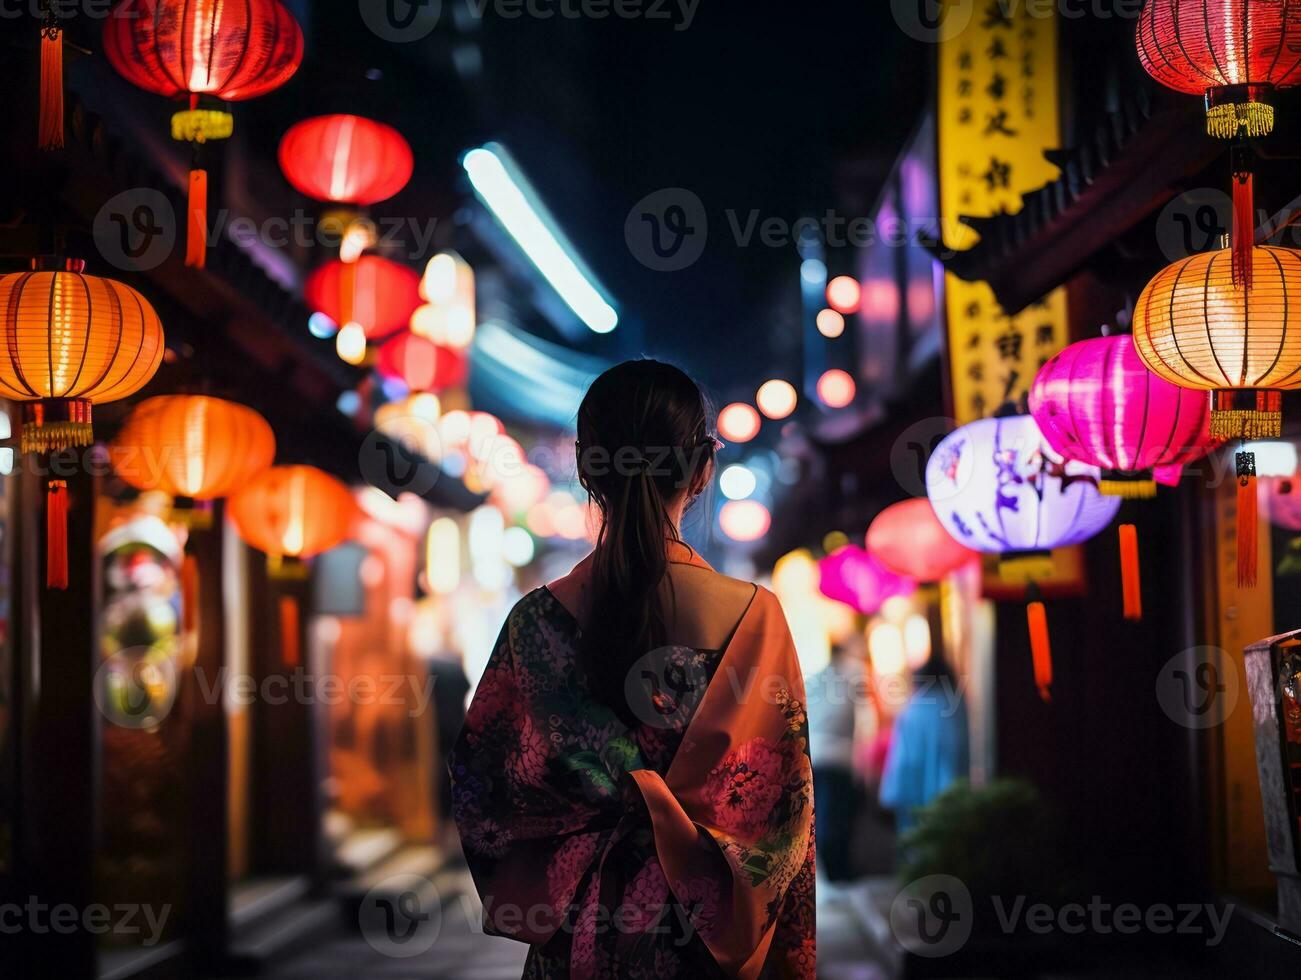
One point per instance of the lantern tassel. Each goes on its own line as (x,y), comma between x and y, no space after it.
(1247,520)
(56,424)
(196,232)
(1132,486)
(1246,413)
(1040,649)
(1131,582)
(1244,217)
(289,647)
(1234,110)
(348,293)
(56,534)
(50,126)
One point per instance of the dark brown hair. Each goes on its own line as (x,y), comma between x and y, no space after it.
(643,439)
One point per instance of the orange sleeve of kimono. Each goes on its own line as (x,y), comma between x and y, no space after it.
(733,817)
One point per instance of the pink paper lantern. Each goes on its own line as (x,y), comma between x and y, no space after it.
(1283,502)
(909,540)
(1097,403)
(852,576)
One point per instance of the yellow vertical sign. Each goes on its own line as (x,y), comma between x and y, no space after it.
(998,112)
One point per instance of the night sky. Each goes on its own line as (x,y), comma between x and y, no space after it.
(754,111)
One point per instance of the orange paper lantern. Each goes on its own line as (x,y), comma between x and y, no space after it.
(192,446)
(1199,326)
(293,511)
(1194,327)
(72,341)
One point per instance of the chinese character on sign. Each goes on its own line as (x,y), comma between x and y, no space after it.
(997,15)
(999,174)
(1009,345)
(998,124)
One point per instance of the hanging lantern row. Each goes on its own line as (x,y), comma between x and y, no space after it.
(1212,353)
(200,51)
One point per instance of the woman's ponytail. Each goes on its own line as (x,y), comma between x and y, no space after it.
(642,443)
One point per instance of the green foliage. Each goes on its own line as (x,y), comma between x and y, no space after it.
(999,840)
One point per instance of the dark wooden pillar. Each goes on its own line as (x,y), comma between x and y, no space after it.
(209,888)
(287,793)
(60,739)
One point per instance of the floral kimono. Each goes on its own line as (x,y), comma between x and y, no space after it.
(682,847)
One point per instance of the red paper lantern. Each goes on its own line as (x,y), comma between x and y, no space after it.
(375,292)
(421,364)
(346,159)
(180,48)
(1233,52)
(193,48)
(909,539)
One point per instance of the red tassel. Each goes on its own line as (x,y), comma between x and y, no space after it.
(50,127)
(1040,648)
(1247,520)
(348,293)
(1131,583)
(289,631)
(56,534)
(1244,218)
(196,232)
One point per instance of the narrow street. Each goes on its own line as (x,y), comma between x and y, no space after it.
(460,950)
